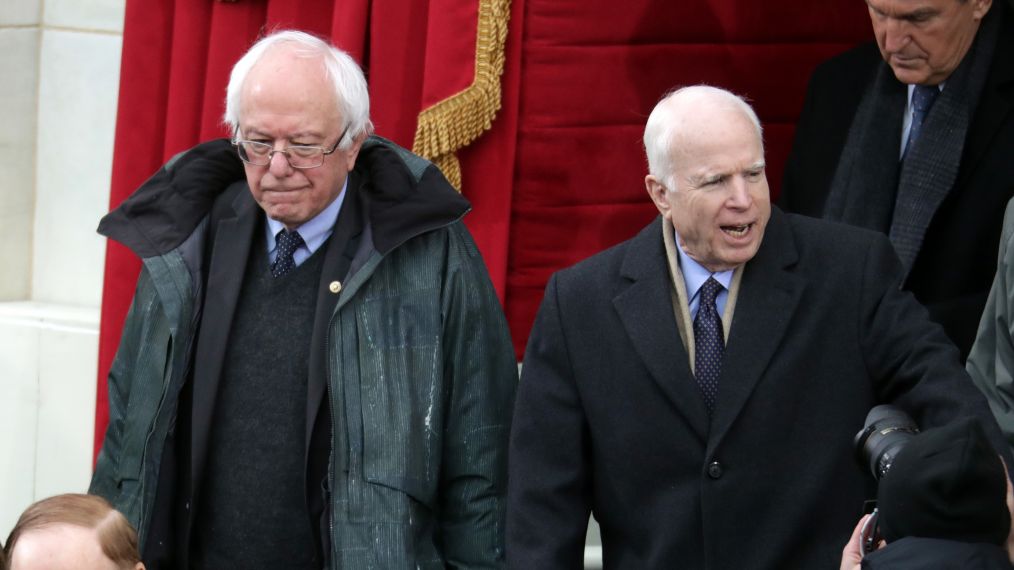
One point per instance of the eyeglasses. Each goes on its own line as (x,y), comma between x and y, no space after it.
(299,156)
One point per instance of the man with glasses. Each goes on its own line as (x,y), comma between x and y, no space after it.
(315,371)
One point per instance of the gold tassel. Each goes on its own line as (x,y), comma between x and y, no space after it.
(455,122)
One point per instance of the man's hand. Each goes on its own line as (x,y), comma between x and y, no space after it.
(852,554)
(1009,545)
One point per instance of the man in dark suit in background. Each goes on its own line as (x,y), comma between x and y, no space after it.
(913,136)
(698,387)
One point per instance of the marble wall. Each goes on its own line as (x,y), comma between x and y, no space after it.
(60,62)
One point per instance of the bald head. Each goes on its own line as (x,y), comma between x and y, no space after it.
(683,116)
(293,84)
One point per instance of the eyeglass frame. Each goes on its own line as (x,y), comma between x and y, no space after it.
(285,151)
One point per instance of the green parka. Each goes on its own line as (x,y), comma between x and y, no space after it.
(420,370)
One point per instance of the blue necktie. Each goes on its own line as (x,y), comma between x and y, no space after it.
(709,343)
(287,243)
(923,97)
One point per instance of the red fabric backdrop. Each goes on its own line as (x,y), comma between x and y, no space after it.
(559,175)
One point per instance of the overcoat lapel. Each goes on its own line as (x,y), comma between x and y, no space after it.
(233,239)
(768,297)
(644,306)
(341,248)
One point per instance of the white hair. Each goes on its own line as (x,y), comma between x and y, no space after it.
(668,117)
(351,94)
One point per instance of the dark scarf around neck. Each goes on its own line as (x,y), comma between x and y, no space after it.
(871,188)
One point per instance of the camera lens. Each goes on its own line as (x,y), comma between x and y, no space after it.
(886,432)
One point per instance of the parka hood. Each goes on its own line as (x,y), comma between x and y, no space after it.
(405,196)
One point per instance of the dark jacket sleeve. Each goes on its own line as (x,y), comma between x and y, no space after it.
(479,358)
(550,475)
(917,366)
(135,389)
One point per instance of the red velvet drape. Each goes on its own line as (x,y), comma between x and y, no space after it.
(559,175)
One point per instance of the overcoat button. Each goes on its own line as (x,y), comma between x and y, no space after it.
(335,286)
(715,470)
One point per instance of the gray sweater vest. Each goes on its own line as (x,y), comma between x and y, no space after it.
(253,510)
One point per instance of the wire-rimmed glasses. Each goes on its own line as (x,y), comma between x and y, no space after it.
(298,155)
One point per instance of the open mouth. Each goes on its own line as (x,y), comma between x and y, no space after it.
(737,231)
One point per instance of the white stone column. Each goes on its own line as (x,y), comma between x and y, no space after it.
(60,62)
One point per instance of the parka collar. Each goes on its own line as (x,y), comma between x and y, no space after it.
(404,196)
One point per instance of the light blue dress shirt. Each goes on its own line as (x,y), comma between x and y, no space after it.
(694,276)
(314,231)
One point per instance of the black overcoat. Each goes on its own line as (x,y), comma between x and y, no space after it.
(609,418)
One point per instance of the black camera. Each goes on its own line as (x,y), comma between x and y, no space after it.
(946,483)
(886,432)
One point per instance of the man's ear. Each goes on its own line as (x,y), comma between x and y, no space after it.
(658,191)
(353,152)
(1009,545)
(980,8)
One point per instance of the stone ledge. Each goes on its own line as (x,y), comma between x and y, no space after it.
(53,316)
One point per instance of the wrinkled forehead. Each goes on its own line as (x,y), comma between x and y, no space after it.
(898,8)
(288,73)
(286,91)
(726,132)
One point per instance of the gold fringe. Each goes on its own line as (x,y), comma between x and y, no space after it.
(455,122)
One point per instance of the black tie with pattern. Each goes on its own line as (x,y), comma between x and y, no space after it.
(287,243)
(709,343)
(923,97)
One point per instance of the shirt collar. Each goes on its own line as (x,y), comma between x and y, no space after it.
(911,91)
(317,229)
(695,274)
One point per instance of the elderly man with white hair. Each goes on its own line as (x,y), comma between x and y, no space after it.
(315,371)
(697,388)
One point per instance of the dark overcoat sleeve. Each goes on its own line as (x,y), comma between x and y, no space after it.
(549,472)
(911,360)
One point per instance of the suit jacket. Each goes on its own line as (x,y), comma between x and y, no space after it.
(610,419)
(951,274)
